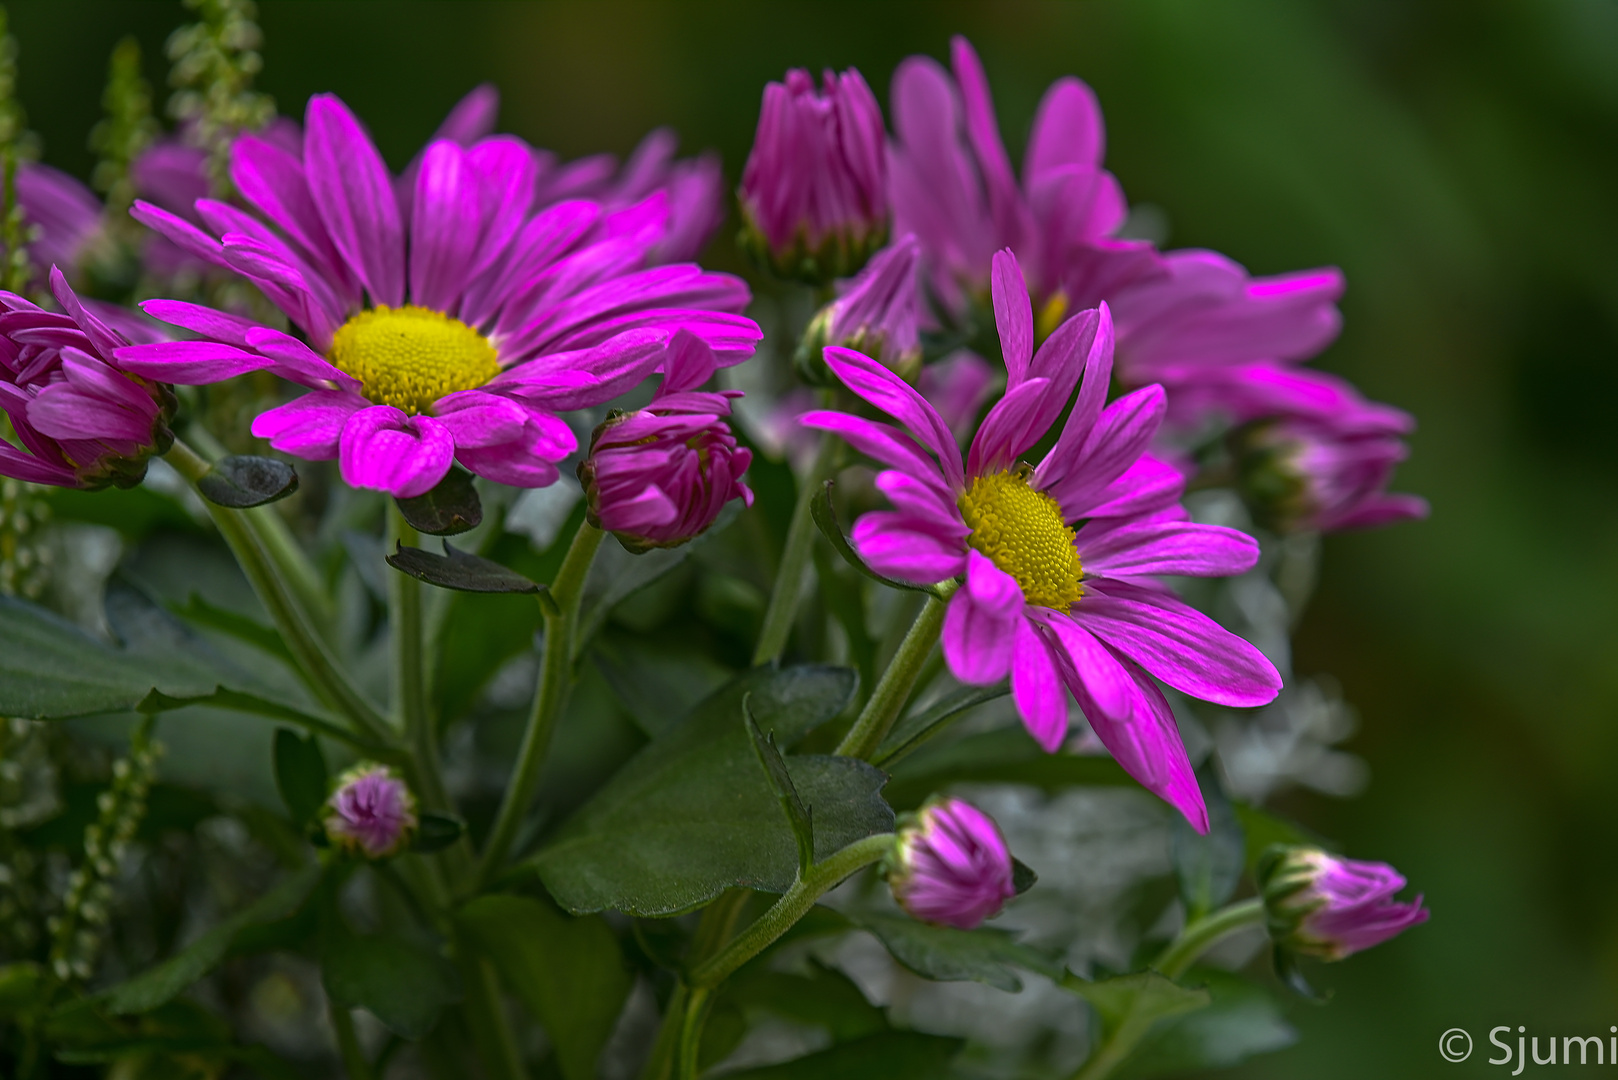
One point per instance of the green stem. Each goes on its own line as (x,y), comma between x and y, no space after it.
(550,696)
(793,905)
(348,1044)
(410,705)
(890,695)
(315,663)
(660,1063)
(485,1013)
(696,1016)
(1197,938)
(788,590)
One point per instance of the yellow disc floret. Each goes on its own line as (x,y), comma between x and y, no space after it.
(409,357)
(1022,531)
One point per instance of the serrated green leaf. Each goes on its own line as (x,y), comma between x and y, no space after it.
(887,1055)
(1243,1020)
(1145,996)
(569,972)
(1209,867)
(402,983)
(691,814)
(160,983)
(1005,756)
(300,774)
(985,955)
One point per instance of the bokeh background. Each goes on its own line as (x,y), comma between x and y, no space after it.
(1457,158)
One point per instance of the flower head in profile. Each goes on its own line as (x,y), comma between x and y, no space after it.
(1321,905)
(370,812)
(814,190)
(659,476)
(82,418)
(951,866)
(877,312)
(443,320)
(1060,559)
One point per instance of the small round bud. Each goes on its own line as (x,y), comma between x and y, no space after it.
(1320,905)
(876,313)
(951,865)
(370,812)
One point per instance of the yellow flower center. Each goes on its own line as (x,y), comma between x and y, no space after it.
(1049,317)
(410,356)
(1021,530)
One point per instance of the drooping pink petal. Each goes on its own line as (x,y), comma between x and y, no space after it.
(1013,316)
(1109,549)
(1036,687)
(920,550)
(980,623)
(309,426)
(189,363)
(383,449)
(888,392)
(478,419)
(883,442)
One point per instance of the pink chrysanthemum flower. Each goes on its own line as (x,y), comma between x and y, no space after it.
(370,812)
(1060,560)
(455,331)
(951,866)
(659,476)
(1321,905)
(83,420)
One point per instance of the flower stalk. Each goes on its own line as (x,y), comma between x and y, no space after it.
(891,693)
(788,590)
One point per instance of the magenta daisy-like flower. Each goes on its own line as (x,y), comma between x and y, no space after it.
(82,419)
(452,326)
(1060,560)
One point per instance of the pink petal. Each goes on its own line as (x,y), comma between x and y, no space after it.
(883,442)
(383,449)
(444,227)
(979,626)
(908,548)
(885,390)
(309,426)
(1036,687)
(354,194)
(189,363)
(1013,316)
(479,419)
(1180,547)
(1008,431)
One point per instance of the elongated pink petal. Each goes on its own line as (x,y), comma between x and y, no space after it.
(907,548)
(980,623)
(1013,316)
(446,213)
(189,363)
(1036,687)
(916,496)
(885,390)
(1120,436)
(309,426)
(354,194)
(1109,685)
(1142,549)
(1092,397)
(1007,431)
(1146,487)
(205,321)
(479,419)
(883,442)
(1068,130)
(383,449)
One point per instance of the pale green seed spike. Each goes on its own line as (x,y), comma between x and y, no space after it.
(127,129)
(214,61)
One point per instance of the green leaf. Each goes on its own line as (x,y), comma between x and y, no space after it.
(825,516)
(569,972)
(775,771)
(1023,877)
(243,481)
(1004,756)
(909,734)
(455,569)
(82,1034)
(1208,867)
(657,682)
(161,983)
(223,698)
(300,774)
(200,612)
(451,508)
(824,998)
(21,987)
(691,814)
(888,1055)
(437,832)
(945,954)
(1242,1021)
(50,669)
(401,983)
(1145,996)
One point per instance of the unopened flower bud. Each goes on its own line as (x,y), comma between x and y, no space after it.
(1304,473)
(371,812)
(814,190)
(659,476)
(951,865)
(1320,905)
(875,313)
(81,419)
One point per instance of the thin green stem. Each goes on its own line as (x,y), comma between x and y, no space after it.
(550,696)
(788,590)
(696,1017)
(1197,938)
(485,1013)
(348,1043)
(660,1063)
(410,705)
(891,693)
(793,905)
(314,661)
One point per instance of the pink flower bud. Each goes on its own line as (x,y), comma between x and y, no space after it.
(370,812)
(951,866)
(659,476)
(1320,905)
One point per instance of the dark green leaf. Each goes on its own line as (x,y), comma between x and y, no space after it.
(200,612)
(1242,1021)
(437,832)
(910,733)
(83,1035)
(657,682)
(1023,877)
(824,998)
(887,1055)
(984,955)
(243,481)
(775,771)
(135,512)
(568,972)
(159,984)
(50,669)
(300,774)
(691,814)
(1145,995)
(455,569)
(1208,867)
(450,508)
(1005,756)
(400,982)
(820,509)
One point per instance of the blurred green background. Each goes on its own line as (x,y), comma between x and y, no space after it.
(1457,158)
